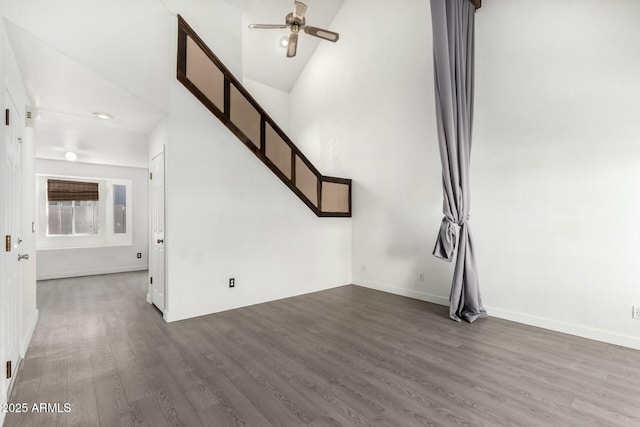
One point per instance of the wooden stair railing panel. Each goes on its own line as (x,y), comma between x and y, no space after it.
(335,197)
(204,75)
(245,116)
(307,181)
(278,151)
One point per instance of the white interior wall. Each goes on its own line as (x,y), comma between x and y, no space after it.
(373,119)
(555,164)
(554,174)
(56,263)
(158,138)
(230,216)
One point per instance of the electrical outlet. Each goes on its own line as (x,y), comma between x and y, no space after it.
(232,282)
(421,277)
(636,312)
(139,255)
(363,267)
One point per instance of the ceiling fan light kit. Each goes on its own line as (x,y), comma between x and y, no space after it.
(296,22)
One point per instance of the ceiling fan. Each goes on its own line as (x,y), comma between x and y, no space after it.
(295,22)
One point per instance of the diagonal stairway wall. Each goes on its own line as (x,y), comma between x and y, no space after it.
(204,75)
(229,216)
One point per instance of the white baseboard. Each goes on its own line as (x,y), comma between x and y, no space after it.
(92,272)
(411,293)
(28,333)
(567,328)
(527,319)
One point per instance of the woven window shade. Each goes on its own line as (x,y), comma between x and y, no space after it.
(62,191)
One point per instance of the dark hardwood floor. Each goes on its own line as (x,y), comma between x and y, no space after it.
(347,356)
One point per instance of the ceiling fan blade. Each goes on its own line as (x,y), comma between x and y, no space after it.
(292,47)
(268,26)
(299,9)
(323,34)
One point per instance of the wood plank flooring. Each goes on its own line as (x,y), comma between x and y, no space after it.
(344,357)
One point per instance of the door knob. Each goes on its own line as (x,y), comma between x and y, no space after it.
(160,241)
(25,256)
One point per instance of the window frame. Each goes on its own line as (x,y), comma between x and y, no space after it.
(106,237)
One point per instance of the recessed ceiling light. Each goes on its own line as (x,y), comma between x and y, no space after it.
(71,156)
(284,41)
(103,116)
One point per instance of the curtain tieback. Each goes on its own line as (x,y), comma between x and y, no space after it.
(448,237)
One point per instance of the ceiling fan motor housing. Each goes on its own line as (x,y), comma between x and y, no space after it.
(292,21)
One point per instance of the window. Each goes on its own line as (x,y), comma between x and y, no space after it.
(76,212)
(119,209)
(72,217)
(72,207)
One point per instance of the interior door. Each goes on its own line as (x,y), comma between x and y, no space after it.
(10,287)
(157,234)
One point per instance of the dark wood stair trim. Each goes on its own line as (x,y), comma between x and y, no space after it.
(184,31)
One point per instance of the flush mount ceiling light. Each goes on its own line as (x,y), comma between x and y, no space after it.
(103,116)
(284,41)
(71,156)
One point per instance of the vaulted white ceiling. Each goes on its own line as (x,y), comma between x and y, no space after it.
(77,58)
(263,58)
(66,94)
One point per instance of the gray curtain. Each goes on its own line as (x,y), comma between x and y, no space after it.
(453,48)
